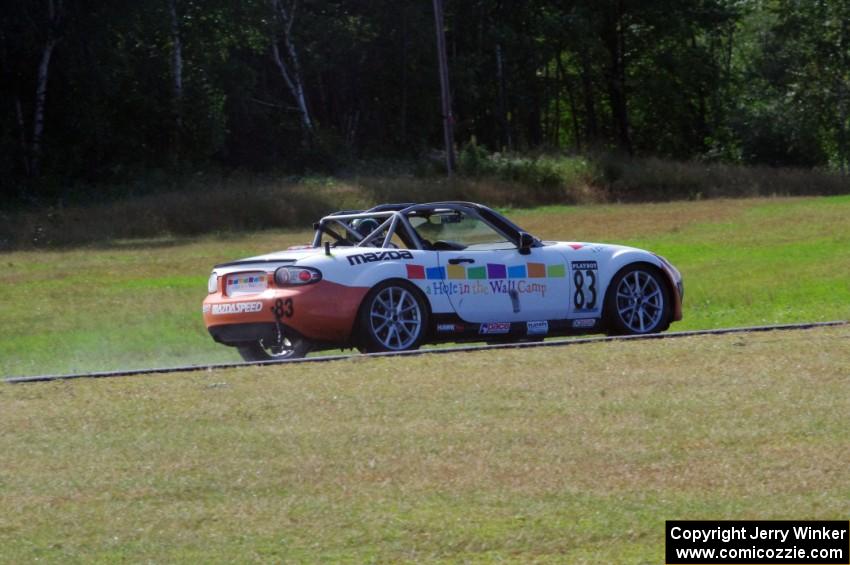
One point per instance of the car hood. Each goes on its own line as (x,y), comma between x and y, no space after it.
(607,248)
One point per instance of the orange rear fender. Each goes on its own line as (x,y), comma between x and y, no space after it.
(323,311)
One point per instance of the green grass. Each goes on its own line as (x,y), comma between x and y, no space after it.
(755,262)
(137,303)
(574,454)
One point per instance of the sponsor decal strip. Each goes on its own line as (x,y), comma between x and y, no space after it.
(496,286)
(392,255)
(585,277)
(491,271)
(252,281)
(236,308)
(246,283)
(495,328)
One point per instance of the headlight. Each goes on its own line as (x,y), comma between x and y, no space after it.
(296,276)
(212,284)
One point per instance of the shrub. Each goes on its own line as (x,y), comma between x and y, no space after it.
(218,203)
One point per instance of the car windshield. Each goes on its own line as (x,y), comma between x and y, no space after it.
(439,228)
(456,230)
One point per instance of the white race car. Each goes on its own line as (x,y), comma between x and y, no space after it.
(399,275)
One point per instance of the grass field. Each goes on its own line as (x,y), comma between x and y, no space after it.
(573,454)
(136,303)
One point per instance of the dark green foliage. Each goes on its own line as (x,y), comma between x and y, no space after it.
(762,83)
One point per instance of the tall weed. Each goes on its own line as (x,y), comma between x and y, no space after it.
(210,204)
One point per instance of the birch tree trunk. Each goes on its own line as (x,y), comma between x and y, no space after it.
(288,63)
(54,22)
(445,90)
(177,78)
(40,103)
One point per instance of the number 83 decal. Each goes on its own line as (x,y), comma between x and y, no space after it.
(585,281)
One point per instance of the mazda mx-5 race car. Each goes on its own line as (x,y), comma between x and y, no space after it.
(397,276)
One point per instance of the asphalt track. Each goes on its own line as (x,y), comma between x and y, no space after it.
(440,351)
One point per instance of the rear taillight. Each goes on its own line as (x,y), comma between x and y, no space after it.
(212,283)
(296,276)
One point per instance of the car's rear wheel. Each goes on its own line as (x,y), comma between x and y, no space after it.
(638,302)
(289,348)
(394,317)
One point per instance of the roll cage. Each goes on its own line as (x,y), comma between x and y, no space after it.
(394,220)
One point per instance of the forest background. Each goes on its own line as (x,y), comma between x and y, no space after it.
(616,99)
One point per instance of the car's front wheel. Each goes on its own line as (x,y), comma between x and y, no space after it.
(394,317)
(289,348)
(638,302)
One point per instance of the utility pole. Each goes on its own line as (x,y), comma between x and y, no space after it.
(445,92)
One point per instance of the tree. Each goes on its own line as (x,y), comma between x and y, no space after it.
(159,87)
(288,63)
(445,91)
(177,76)
(814,40)
(47,21)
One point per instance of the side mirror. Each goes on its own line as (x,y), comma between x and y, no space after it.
(526,242)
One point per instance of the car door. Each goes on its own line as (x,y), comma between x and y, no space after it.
(503,285)
(484,275)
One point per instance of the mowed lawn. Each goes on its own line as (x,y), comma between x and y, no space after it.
(565,455)
(133,304)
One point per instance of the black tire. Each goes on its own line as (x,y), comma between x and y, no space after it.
(638,301)
(293,348)
(402,329)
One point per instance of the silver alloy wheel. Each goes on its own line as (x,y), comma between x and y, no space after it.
(396,318)
(285,350)
(290,347)
(640,301)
